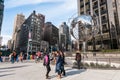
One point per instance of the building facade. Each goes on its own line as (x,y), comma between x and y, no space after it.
(51,34)
(9,44)
(19,19)
(1,40)
(108,14)
(64,36)
(30,33)
(1,13)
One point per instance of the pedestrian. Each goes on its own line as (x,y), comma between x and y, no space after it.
(53,57)
(15,55)
(38,56)
(21,57)
(58,64)
(62,63)
(1,57)
(11,57)
(46,63)
(78,59)
(25,56)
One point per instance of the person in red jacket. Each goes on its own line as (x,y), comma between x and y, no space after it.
(38,55)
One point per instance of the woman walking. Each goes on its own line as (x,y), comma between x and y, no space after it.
(58,64)
(46,63)
(62,63)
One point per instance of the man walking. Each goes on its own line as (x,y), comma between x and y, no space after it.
(78,59)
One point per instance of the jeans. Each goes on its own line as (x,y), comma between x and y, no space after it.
(48,70)
(12,59)
(63,70)
(1,59)
(78,63)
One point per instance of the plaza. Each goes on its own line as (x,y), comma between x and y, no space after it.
(30,70)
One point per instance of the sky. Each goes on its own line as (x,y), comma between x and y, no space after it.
(55,11)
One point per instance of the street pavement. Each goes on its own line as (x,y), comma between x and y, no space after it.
(36,71)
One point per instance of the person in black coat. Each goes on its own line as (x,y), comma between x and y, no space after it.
(78,59)
(62,63)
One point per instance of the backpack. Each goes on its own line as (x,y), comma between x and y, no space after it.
(46,60)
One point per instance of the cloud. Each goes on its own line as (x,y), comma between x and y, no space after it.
(18,3)
(61,11)
(57,13)
(5,39)
(66,7)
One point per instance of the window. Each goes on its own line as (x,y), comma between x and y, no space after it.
(95,3)
(103,17)
(101,1)
(81,9)
(96,11)
(104,27)
(87,7)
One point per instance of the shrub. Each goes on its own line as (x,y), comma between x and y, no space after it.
(86,65)
(92,65)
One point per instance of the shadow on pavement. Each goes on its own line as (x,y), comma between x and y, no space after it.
(69,73)
(53,76)
(15,67)
(68,69)
(6,74)
(6,71)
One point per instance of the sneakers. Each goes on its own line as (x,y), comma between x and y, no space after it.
(47,77)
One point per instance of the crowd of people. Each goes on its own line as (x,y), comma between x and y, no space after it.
(59,60)
(57,57)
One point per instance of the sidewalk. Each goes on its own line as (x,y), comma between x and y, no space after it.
(36,71)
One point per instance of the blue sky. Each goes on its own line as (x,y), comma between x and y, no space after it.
(55,11)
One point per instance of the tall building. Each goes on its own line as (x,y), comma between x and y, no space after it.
(64,36)
(1,13)
(19,19)
(9,45)
(108,14)
(1,40)
(51,34)
(30,33)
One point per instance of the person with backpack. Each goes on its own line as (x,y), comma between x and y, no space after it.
(46,63)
